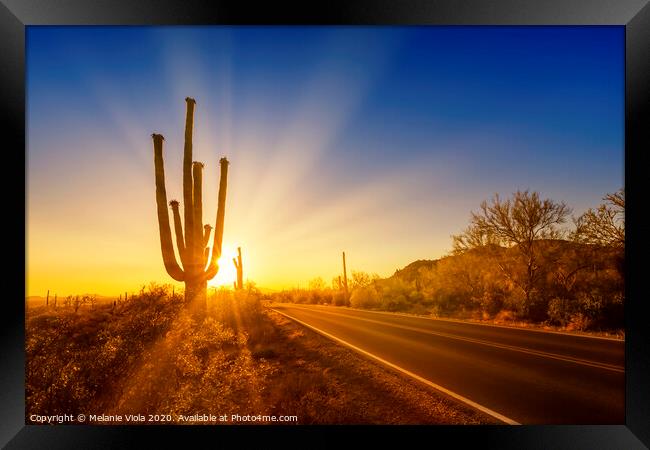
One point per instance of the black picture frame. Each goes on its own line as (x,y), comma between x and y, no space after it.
(634,15)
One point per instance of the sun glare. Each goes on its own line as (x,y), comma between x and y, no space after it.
(227,274)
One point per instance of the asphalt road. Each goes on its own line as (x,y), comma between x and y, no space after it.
(526,376)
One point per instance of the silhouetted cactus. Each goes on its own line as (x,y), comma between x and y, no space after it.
(192,245)
(239,284)
(345,277)
(47,299)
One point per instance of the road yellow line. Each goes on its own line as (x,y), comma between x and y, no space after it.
(584,362)
(458,397)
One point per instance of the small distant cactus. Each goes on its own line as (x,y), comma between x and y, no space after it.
(239,284)
(192,245)
(345,277)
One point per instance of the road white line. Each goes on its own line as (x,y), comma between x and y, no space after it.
(459,397)
(514,348)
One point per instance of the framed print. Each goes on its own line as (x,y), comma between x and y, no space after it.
(308,221)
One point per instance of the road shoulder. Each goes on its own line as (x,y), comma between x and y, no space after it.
(348,388)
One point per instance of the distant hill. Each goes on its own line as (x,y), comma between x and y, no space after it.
(34,300)
(411,271)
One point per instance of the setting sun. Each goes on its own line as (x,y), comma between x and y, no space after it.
(227,274)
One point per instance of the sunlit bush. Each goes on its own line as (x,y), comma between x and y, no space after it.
(147,354)
(365,297)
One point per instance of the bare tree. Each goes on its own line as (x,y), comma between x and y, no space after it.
(516,223)
(91,299)
(362,279)
(472,237)
(77,301)
(605,225)
(316,284)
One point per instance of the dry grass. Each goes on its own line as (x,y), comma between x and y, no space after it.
(149,356)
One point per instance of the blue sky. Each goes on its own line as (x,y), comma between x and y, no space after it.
(378,140)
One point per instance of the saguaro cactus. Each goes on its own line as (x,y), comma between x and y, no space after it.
(192,245)
(345,277)
(240,271)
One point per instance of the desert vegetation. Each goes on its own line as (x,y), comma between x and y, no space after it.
(151,355)
(148,354)
(518,260)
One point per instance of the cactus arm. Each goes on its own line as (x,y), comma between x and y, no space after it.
(206,255)
(240,269)
(197,174)
(239,266)
(213,268)
(206,234)
(166,245)
(188,201)
(178,228)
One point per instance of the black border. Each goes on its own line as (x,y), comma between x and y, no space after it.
(633,14)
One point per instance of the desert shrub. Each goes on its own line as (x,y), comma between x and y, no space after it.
(364,297)
(492,302)
(612,314)
(315,297)
(339,299)
(301,296)
(75,359)
(146,355)
(420,309)
(536,309)
(445,303)
(326,297)
(560,311)
(396,295)
(281,297)
(578,321)
(201,364)
(235,309)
